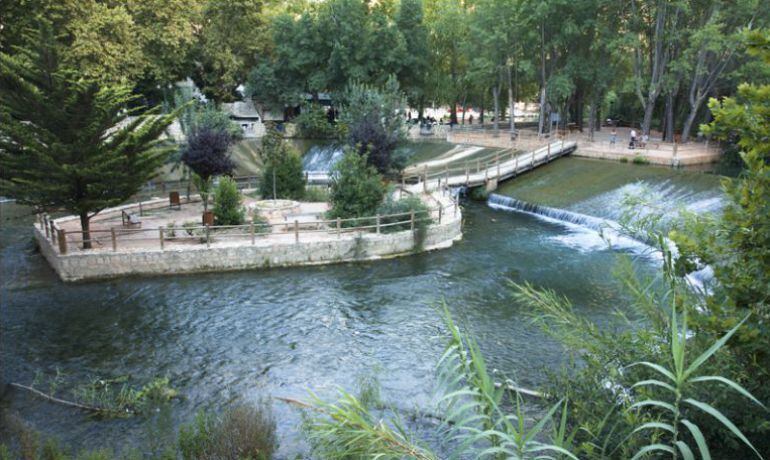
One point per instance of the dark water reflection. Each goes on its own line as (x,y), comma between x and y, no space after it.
(238,336)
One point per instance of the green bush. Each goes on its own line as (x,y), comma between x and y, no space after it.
(227,203)
(260,223)
(242,433)
(640,160)
(356,188)
(404,206)
(313,123)
(190,227)
(316,194)
(282,175)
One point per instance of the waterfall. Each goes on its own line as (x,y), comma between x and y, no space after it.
(321,158)
(605,233)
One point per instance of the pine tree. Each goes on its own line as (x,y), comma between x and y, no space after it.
(70,145)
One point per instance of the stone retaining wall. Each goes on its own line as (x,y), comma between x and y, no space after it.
(227,257)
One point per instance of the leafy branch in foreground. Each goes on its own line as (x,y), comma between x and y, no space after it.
(678,381)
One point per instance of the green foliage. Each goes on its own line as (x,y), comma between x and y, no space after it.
(313,123)
(227,203)
(170,231)
(375,124)
(404,207)
(356,188)
(55,152)
(245,432)
(347,429)
(640,160)
(316,194)
(282,175)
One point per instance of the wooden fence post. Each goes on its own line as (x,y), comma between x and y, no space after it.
(208,237)
(114,239)
(339,227)
(440,211)
(160,236)
(62,237)
(412,219)
(140,208)
(45,226)
(296,231)
(378,224)
(251,230)
(53,230)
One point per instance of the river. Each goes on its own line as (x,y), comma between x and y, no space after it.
(228,337)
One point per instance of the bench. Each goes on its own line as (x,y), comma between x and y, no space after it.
(303,220)
(130,220)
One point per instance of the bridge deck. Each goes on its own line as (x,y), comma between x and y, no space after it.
(501,168)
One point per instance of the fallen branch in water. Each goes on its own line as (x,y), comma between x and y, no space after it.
(96,409)
(510,387)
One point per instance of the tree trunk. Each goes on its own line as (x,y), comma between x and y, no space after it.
(274,194)
(512,123)
(649,109)
(481,114)
(85,227)
(465,106)
(453,113)
(668,126)
(592,118)
(541,123)
(496,99)
(688,122)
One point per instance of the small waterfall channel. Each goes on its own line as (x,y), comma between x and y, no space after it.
(321,158)
(592,231)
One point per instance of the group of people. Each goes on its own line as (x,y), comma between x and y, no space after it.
(634,142)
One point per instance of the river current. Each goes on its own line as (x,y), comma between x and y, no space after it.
(228,337)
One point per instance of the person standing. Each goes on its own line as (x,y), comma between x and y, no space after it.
(613,137)
(632,144)
(470,119)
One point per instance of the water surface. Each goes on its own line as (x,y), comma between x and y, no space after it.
(230,337)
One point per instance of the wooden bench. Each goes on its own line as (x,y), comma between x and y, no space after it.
(130,220)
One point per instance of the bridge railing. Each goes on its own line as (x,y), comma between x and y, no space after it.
(162,237)
(492,169)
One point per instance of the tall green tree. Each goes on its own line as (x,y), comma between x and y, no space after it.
(69,144)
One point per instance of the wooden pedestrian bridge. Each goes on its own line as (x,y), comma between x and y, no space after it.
(487,171)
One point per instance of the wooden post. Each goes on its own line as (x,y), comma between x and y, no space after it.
(62,237)
(425,182)
(339,227)
(114,239)
(412,219)
(140,208)
(296,231)
(467,174)
(53,231)
(251,230)
(208,238)
(160,235)
(440,211)
(378,224)
(45,225)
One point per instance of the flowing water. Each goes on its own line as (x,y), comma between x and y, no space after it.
(228,337)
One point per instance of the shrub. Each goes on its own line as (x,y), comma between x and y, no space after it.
(356,188)
(316,194)
(624,160)
(170,231)
(404,206)
(282,176)
(190,227)
(640,160)
(243,432)
(227,203)
(313,123)
(260,223)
